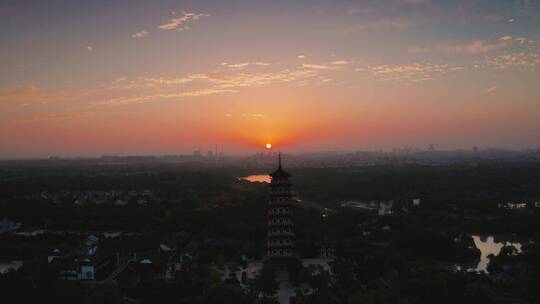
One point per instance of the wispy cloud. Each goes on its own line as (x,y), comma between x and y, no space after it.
(235,65)
(122,101)
(22,95)
(154,81)
(340,62)
(519,60)
(182,23)
(418,50)
(411,72)
(365,11)
(244,64)
(59,117)
(211,83)
(491,89)
(473,47)
(27,95)
(477,46)
(317,66)
(520,40)
(301,56)
(252,115)
(391,24)
(412,1)
(243,80)
(89,48)
(139,34)
(383,24)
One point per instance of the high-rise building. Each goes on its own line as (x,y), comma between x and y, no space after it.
(281,235)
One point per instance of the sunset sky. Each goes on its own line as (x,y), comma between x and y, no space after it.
(85,78)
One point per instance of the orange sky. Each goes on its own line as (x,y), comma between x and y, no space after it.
(152,78)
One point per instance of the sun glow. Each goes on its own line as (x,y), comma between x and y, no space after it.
(268,146)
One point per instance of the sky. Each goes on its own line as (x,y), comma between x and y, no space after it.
(133,77)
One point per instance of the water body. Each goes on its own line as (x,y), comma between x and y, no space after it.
(257,178)
(488,245)
(6,266)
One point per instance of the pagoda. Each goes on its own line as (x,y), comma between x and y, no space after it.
(280,235)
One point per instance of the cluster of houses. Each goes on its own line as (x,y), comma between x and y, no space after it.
(519,205)
(126,260)
(117,197)
(118,259)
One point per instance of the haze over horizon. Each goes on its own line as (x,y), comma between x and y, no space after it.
(86,78)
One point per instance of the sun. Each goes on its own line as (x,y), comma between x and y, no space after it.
(268,146)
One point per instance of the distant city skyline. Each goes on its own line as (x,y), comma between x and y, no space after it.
(88,78)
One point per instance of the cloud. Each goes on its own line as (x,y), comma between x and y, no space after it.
(477,46)
(59,117)
(235,65)
(411,72)
(340,62)
(253,115)
(243,80)
(139,34)
(521,40)
(244,64)
(360,11)
(89,48)
(301,57)
(317,66)
(122,101)
(391,24)
(474,47)
(181,23)
(491,89)
(519,60)
(383,24)
(150,81)
(205,83)
(22,95)
(412,1)
(221,80)
(418,50)
(27,95)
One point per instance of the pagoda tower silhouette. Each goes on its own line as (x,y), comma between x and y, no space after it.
(281,245)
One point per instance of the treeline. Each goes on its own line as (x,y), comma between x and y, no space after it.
(496,181)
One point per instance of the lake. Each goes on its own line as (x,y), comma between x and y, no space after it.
(257,178)
(488,245)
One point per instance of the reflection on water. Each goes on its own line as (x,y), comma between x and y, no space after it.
(6,266)
(487,246)
(257,178)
